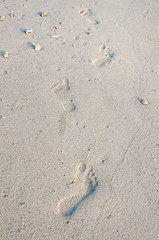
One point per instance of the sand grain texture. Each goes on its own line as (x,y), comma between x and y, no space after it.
(79,99)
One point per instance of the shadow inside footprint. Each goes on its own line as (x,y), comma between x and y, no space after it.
(73,209)
(87,181)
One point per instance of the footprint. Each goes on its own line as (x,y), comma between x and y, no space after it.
(61,87)
(102,47)
(62,91)
(99,62)
(68,105)
(84,183)
(63,122)
(106,56)
(109,54)
(87,12)
(92,21)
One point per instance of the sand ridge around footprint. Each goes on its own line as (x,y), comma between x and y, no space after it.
(86,182)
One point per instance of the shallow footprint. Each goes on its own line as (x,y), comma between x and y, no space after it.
(99,62)
(102,47)
(62,89)
(109,54)
(92,21)
(87,12)
(68,105)
(85,183)
(106,56)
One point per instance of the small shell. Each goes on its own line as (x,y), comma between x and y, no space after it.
(28,31)
(37,47)
(11,15)
(54,36)
(60,22)
(5,55)
(2,18)
(144,101)
(43,14)
(2,117)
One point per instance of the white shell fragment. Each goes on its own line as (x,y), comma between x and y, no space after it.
(5,55)
(2,18)
(37,47)
(28,31)
(144,101)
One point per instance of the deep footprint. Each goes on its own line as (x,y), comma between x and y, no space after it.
(86,182)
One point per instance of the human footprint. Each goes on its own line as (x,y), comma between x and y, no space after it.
(62,91)
(87,12)
(84,183)
(106,55)
(62,87)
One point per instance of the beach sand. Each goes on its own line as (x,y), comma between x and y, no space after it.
(79,151)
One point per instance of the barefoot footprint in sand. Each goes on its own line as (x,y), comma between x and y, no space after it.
(62,91)
(87,13)
(105,55)
(83,184)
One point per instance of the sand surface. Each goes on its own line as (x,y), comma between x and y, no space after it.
(79,152)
